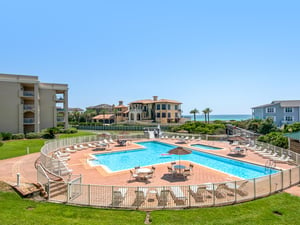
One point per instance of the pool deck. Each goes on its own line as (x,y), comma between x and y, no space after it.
(97,175)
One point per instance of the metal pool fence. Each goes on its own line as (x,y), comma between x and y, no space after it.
(69,189)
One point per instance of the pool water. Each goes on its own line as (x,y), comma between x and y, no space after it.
(206,147)
(156,153)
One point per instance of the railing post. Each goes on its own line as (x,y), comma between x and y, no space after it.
(89,194)
(282,180)
(68,191)
(270,183)
(112,194)
(189,193)
(290,176)
(254,187)
(214,196)
(235,192)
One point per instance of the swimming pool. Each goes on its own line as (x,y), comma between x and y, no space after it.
(153,153)
(206,147)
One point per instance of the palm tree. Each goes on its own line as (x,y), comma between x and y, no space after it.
(194,111)
(207,111)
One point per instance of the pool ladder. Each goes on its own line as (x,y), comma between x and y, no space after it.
(270,164)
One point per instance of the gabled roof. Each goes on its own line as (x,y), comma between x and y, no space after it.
(285,103)
(288,103)
(294,135)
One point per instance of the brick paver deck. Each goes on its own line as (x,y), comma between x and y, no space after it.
(97,175)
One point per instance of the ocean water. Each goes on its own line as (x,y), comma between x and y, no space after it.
(237,117)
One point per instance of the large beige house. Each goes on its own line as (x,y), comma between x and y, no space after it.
(27,105)
(155,110)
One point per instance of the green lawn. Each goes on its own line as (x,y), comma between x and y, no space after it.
(79,133)
(277,209)
(16,148)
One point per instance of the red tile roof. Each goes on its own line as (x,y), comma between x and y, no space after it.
(105,116)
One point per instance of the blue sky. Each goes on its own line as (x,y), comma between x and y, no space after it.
(225,55)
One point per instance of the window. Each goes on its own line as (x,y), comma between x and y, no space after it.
(158,115)
(163,115)
(288,118)
(288,109)
(176,107)
(176,115)
(270,110)
(163,107)
(169,115)
(169,107)
(158,107)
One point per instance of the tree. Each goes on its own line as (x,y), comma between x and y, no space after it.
(207,111)
(267,126)
(204,112)
(194,111)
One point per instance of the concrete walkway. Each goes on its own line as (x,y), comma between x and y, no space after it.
(23,165)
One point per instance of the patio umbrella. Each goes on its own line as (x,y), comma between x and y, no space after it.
(179,151)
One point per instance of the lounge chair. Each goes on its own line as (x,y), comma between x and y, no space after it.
(70,150)
(178,195)
(121,142)
(82,146)
(198,192)
(119,196)
(239,188)
(216,189)
(162,196)
(66,154)
(91,145)
(140,196)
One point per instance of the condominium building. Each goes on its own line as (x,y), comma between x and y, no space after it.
(282,112)
(27,105)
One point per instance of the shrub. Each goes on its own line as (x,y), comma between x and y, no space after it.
(32,135)
(70,131)
(6,136)
(18,136)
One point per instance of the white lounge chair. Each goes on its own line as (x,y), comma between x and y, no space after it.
(178,195)
(70,150)
(91,145)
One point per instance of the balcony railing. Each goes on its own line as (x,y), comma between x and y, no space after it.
(28,93)
(60,119)
(60,109)
(28,107)
(28,120)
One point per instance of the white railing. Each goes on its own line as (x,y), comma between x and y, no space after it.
(158,197)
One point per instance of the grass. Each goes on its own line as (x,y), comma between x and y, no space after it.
(78,134)
(281,208)
(14,148)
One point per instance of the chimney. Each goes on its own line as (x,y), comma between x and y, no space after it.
(155,98)
(120,102)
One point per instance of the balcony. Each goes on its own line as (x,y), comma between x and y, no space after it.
(60,119)
(59,99)
(28,93)
(28,121)
(28,107)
